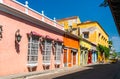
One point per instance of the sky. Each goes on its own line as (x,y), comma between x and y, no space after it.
(87,10)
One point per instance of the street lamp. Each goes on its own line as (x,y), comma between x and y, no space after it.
(18,36)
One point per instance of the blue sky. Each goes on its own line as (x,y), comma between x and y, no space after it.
(85,9)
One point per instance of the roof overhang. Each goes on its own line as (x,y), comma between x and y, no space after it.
(11,10)
(115,9)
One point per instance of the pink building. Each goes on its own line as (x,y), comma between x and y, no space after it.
(29,41)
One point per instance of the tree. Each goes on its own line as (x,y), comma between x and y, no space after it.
(103,49)
(104,3)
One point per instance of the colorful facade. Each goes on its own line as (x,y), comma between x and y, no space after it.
(30,41)
(71,50)
(88,53)
(93,32)
(70,25)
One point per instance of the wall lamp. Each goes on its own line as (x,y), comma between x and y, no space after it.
(18,36)
(1,30)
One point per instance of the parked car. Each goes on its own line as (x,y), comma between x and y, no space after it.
(113,59)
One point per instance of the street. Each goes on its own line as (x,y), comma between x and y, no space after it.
(98,71)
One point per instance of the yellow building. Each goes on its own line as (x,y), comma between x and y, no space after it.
(94,32)
(88,52)
(70,24)
(91,31)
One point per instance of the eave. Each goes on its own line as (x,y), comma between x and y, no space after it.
(11,10)
(115,9)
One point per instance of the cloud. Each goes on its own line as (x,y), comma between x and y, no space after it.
(116,43)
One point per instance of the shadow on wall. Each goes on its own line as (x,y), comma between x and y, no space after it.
(32,69)
(46,67)
(17,47)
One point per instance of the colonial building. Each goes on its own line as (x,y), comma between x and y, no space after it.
(70,26)
(93,32)
(29,41)
(88,52)
(71,50)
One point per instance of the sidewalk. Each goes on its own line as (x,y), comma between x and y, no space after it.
(46,72)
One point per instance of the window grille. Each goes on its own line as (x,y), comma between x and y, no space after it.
(33,46)
(58,50)
(47,47)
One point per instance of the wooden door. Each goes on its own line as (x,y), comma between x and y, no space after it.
(65,57)
(74,58)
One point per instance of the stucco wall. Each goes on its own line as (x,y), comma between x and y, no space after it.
(12,62)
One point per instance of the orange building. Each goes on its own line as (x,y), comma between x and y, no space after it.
(71,47)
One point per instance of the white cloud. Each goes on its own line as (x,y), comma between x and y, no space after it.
(116,43)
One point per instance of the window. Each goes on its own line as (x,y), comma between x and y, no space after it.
(47,47)
(33,46)
(58,50)
(69,22)
(99,35)
(86,34)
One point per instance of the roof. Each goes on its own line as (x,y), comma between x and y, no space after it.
(68,18)
(115,9)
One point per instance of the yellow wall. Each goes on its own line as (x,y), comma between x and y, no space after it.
(85,44)
(65,22)
(94,36)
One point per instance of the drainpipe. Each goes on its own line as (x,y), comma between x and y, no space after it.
(79,47)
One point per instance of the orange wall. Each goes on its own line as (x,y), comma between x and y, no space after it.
(71,42)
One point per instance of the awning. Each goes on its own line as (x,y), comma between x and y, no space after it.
(48,37)
(74,50)
(35,34)
(58,40)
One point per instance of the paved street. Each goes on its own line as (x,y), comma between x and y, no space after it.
(99,71)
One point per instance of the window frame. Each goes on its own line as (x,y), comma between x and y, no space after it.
(86,34)
(46,54)
(58,51)
(33,49)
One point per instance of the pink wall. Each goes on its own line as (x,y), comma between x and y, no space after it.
(12,62)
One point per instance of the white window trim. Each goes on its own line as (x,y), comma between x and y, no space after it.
(32,63)
(57,53)
(46,62)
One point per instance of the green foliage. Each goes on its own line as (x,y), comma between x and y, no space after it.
(110,42)
(104,3)
(106,50)
(114,54)
(103,49)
